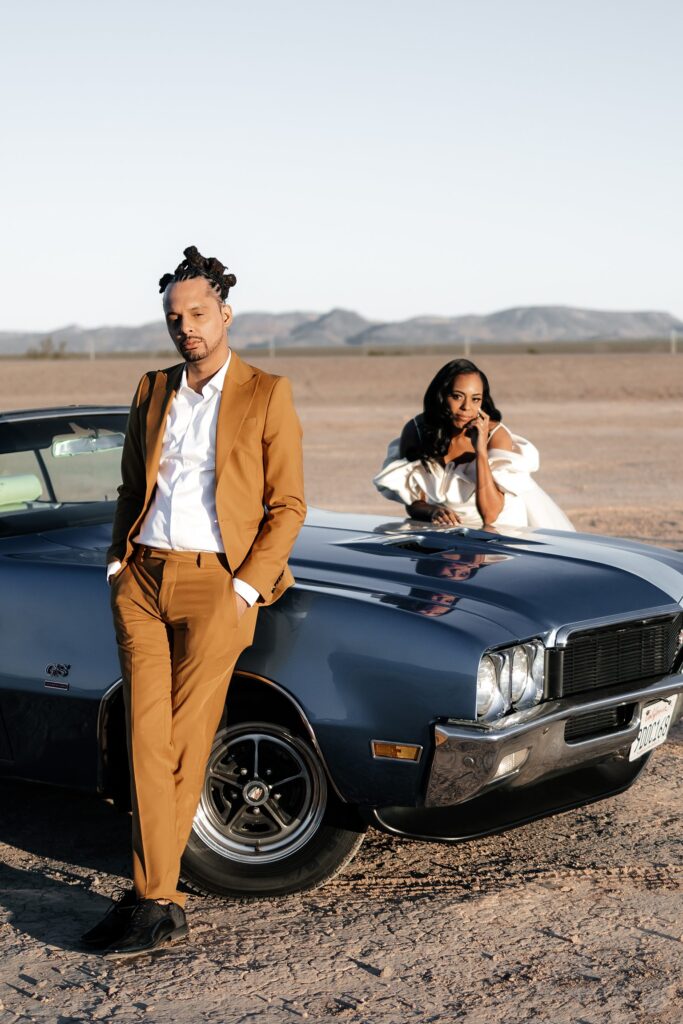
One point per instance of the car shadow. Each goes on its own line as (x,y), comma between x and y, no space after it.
(78,829)
(82,839)
(53,911)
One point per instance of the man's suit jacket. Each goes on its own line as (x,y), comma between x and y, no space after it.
(259,471)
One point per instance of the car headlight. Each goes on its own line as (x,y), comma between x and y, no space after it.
(519,673)
(487,685)
(510,678)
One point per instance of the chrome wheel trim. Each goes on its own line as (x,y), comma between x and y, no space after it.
(242,824)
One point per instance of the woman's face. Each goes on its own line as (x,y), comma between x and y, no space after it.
(464,400)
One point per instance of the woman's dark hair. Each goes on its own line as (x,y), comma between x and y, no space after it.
(436,428)
(196,265)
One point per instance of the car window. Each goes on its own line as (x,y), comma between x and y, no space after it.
(20,474)
(51,461)
(86,476)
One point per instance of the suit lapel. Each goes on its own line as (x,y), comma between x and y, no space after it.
(166,383)
(239,389)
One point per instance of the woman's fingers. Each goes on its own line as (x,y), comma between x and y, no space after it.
(445,517)
(482,425)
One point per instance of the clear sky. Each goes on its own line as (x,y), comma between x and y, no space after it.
(395,158)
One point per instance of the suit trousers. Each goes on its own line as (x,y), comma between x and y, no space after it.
(179,638)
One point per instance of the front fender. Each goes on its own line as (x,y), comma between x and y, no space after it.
(363,669)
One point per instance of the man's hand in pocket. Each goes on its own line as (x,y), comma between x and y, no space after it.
(241,606)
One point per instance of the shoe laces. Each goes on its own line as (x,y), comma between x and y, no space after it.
(147,907)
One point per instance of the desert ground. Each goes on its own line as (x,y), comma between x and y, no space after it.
(574,920)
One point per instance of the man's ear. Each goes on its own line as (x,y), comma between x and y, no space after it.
(227,314)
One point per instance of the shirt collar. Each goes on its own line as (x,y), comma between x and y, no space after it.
(215,383)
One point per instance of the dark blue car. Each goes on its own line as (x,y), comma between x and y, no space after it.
(432,682)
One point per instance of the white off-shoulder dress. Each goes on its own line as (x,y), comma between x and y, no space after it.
(525,503)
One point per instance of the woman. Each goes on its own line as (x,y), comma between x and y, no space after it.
(458,464)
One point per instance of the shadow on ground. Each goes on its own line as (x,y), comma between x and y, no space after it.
(79,829)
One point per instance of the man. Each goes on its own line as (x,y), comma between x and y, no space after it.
(209,507)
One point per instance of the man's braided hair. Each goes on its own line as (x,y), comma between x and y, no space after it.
(196,265)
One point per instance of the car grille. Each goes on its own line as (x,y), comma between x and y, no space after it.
(614,656)
(598,723)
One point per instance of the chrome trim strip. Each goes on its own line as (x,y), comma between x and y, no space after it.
(300,711)
(560,636)
(104,700)
(17,416)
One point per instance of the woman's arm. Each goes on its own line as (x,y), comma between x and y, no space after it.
(489,498)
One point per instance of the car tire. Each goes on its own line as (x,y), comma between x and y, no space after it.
(268,822)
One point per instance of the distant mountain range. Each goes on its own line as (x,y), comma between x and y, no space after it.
(344,328)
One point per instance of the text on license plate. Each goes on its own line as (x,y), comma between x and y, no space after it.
(654,726)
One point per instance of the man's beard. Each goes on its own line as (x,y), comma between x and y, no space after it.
(199,351)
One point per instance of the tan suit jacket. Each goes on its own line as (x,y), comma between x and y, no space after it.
(259,471)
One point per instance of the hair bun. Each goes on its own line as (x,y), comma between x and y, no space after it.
(196,265)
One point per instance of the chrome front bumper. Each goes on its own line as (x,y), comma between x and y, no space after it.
(467,756)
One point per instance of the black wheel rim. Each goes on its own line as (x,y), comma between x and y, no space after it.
(263,797)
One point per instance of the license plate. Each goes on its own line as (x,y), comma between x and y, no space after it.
(654,726)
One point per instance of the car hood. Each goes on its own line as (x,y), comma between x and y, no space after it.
(527,581)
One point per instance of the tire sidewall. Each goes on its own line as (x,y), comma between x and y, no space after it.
(323,855)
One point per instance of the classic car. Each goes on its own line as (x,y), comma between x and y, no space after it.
(437,683)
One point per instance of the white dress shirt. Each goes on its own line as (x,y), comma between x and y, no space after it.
(182,516)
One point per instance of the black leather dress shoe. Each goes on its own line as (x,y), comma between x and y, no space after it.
(151,925)
(114,923)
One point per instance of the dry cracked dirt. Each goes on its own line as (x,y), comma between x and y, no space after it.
(576,919)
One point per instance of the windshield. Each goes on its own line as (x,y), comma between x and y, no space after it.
(47,463)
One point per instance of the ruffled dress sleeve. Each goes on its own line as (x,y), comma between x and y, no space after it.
(398,480)
(512,471)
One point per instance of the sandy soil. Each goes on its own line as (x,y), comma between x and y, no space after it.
(575,920)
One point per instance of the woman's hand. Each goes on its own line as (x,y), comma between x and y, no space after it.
(478,432)
(429,513)
(444,516)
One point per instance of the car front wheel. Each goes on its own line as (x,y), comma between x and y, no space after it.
(267,823)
